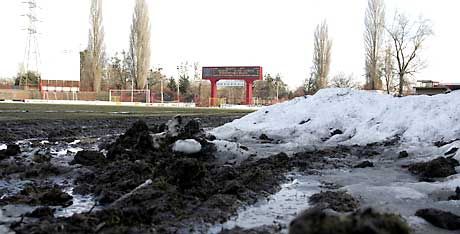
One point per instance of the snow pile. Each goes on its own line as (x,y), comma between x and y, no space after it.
(362,117)
(189,146)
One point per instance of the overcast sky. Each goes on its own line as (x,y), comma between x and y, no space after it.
(276,34)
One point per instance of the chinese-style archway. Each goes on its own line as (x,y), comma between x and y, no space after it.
(247,73)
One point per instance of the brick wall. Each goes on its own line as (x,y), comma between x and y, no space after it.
(14,94)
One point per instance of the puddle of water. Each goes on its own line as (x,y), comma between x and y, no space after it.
(279,208)
(81,204)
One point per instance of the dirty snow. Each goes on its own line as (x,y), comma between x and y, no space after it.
(189,146)
(363,117)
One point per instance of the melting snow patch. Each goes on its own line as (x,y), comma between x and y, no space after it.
(189,146)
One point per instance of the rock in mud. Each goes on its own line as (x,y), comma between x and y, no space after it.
(88,158)
(339,201)
(319,221)
(437,168)
(403,154)
(11,150)
(41,212)
(439,218)
(364,164)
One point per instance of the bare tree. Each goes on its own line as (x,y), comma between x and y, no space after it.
(408,39)
(118,71)
(373,35)
(139,42)
(388,70)
(96,45)
(321,56)
(341,80)
(197,77)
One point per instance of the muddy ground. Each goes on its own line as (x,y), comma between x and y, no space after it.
(75,128)
(124,176)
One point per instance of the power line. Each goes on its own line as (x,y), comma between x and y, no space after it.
(31,59)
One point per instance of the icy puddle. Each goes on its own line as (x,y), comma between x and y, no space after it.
(81,204)
(389,188)
(60,154)
(279,208)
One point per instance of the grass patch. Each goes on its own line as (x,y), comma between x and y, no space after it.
(27,111)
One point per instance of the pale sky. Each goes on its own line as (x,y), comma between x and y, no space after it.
(275,34)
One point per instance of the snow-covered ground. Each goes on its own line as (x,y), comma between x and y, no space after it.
(363,117)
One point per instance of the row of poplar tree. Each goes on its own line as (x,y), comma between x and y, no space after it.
(94,72)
